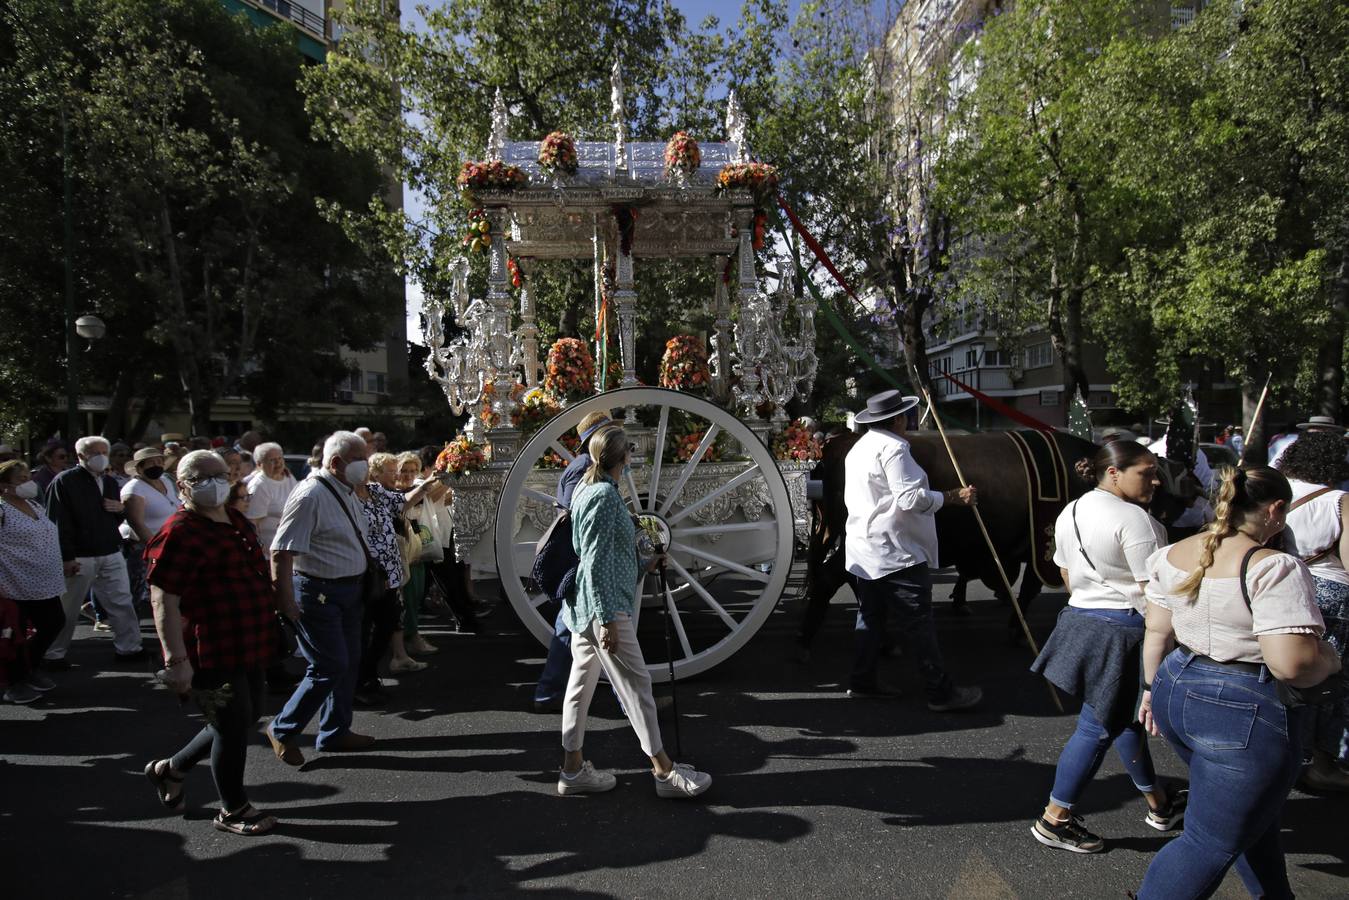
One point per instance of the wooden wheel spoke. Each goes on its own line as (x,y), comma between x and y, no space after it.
(753,574)
(632,491)
(692,464)
(713,495)
(678,621)
(707,598)
(727,528)
(653,485)
(540,496)
(562,451)
(537,600)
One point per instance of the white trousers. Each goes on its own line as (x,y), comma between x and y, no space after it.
(627,673)
(107,576)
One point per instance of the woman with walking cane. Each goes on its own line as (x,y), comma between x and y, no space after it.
(598,612)
(1102,543)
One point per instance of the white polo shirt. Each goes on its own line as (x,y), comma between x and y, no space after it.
(1118,537)
(891,524)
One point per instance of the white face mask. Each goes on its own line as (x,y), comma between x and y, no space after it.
(27,491)
(211,492)
(97,463)
(357,470)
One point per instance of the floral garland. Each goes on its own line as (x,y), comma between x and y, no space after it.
(570,372)
(796,442)
(684,365)
(493,176)
(536,408)
(760,179)
(682,154)
(557,154)
(461,456)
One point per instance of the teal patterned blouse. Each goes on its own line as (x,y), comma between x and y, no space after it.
(605,538)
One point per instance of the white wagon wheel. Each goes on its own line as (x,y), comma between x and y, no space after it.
(730,526)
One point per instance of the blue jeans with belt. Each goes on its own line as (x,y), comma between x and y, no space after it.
(329,634)
(908,594)
(1244,750)
(1085,751)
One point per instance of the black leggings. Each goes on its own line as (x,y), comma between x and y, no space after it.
(225,737)
(47,619)
(378,623)
(449,574)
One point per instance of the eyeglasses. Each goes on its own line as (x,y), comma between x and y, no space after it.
(206,479)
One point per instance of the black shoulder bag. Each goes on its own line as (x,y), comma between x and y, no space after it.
(1328,691)
(374,581)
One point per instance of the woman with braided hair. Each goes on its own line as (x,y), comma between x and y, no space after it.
(1228,619)
(1102,544)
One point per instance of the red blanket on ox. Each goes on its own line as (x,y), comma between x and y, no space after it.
(1047,491)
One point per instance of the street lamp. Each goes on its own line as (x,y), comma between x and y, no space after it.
(91,328)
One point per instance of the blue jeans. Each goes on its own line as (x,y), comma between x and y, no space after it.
(1244,750)
(1328,724)
(329,634)
(908,593)
(553,682)
(1085,751)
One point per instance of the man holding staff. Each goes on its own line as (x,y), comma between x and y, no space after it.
(891,547)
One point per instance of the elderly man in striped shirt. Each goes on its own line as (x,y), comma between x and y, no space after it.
(318,560)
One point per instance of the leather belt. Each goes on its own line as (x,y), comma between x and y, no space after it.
(346,579)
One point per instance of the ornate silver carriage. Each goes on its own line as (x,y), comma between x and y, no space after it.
(731,511)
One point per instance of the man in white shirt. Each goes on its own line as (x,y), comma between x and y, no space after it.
(318,560)
(890,547)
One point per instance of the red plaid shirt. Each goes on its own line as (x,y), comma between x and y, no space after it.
(220,573)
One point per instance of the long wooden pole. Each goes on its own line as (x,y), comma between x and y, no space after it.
(983,529)
(1255,417)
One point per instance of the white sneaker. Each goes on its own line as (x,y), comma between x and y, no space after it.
(586,781)
(683,781)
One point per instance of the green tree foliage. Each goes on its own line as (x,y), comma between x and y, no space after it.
(1229,139)
(201,241)
(1028,169)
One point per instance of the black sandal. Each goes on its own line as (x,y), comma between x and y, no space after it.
(246,821)
(164,782)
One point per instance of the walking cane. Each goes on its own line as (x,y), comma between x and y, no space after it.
(983,529)
(666,600)
(1255,419)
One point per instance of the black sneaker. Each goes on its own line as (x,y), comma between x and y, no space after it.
(1071,835)
(371,694)
(1170,816)
(959,700)
(134,656)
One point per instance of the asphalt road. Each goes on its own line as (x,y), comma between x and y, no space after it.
(815,795)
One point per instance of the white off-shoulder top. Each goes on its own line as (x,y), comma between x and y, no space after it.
(1216,623)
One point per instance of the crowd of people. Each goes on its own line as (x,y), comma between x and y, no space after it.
(1228,644)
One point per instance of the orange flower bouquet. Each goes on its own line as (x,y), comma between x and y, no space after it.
(570,370)
(797,443)
(760,179)
(461,456)
(491,176)
(557,154)
(684,365)
(682,154)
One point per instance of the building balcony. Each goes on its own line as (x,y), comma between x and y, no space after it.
(989,379)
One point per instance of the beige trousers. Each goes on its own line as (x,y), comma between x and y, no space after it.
(627,673)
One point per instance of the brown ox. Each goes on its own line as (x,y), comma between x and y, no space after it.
(1024,479)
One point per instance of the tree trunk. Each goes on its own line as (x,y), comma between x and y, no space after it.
(119,405)
(143,417)
(1253,451)
(1330,356)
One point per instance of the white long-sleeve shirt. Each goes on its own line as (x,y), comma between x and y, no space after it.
(890,508)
